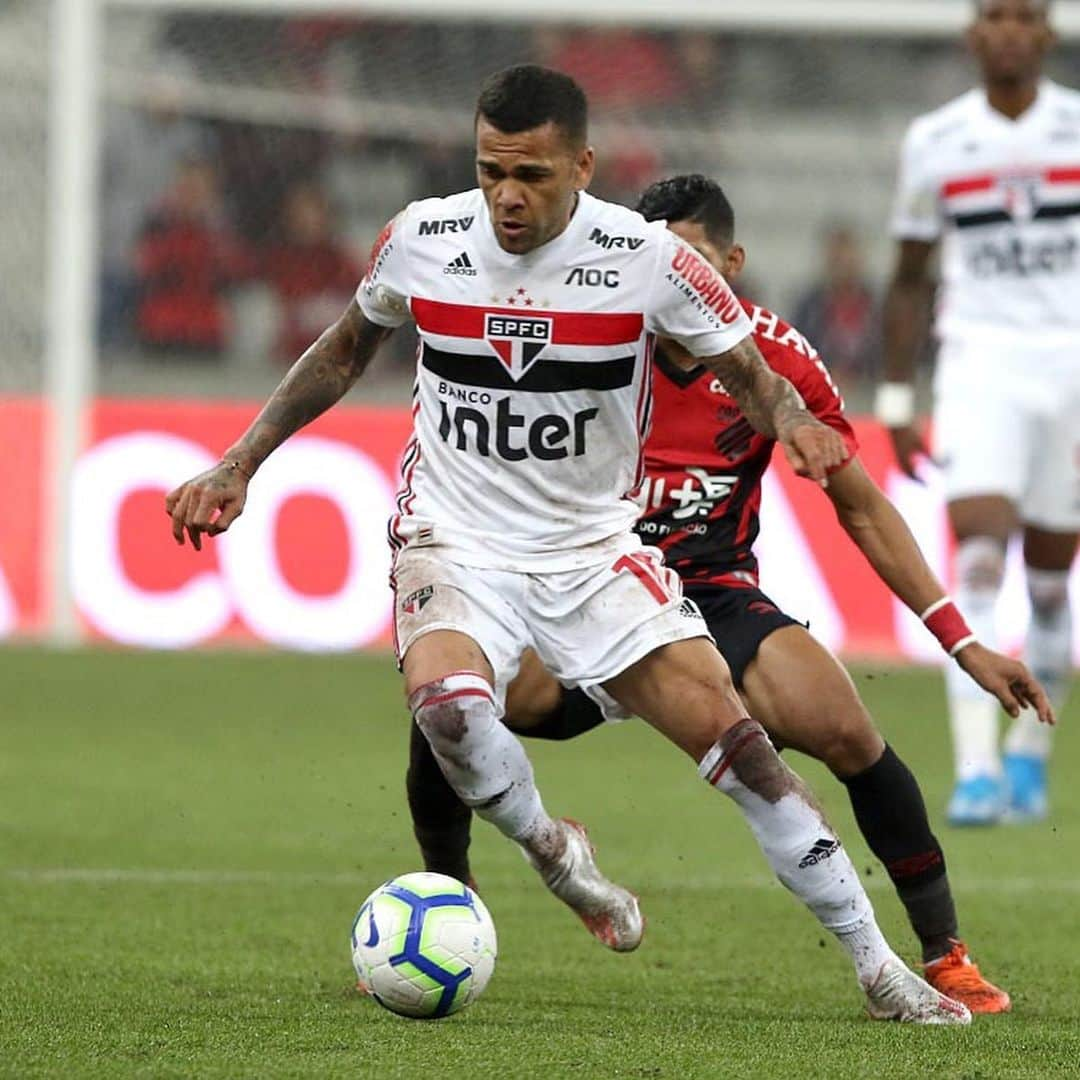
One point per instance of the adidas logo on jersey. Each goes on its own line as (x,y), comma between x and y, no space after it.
(461,265)
(824,848)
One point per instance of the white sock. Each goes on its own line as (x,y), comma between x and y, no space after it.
(798,842)
(973,713)
(1047,652)
(482,761)
(868,949)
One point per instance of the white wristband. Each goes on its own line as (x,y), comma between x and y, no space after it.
(894,404)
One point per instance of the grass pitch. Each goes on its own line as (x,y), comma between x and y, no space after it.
(185,838)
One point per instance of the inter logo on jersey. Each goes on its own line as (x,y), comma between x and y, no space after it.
(517,339)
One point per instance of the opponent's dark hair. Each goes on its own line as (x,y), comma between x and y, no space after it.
(690,197)
(526,96)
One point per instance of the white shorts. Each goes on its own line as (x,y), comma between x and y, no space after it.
(1009,424)
(586,625)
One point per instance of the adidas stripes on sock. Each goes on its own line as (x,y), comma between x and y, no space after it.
(798,842)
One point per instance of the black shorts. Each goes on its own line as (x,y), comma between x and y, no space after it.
(740,619)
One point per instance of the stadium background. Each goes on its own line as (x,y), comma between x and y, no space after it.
(185,834)
(208,175)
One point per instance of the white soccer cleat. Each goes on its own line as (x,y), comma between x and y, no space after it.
(899,994)
(609,911)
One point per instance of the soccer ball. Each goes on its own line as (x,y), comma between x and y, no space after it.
(423,945)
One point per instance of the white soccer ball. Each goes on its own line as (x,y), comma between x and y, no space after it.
(423,945)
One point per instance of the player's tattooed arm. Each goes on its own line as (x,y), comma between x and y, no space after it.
(210,502)
(318,380)
(776,409)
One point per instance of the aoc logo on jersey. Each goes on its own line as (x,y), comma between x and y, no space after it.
(518,340)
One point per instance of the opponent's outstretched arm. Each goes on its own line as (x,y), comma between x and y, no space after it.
(776,409)
(210,502)
(883,536)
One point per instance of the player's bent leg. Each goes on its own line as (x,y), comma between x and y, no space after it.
(806,700)
(685,691)
(982,525)
(804,697)
(537,706)
(441,821)
(489,771)
(1048,557)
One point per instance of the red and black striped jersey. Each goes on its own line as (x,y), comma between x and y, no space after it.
(704,462)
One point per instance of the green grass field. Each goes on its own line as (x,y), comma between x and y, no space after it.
(184,840)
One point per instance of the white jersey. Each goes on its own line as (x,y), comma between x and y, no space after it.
(533,389)
(1004,197)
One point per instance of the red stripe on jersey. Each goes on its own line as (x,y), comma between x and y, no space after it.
(966,185)
(1062,176)
(568,327)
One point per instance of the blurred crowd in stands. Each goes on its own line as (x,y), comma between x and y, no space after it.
(204,212)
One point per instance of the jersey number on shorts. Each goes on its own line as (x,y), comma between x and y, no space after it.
(647,572)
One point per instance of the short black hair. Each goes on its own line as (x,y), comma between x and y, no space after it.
(690,197)
(527,96)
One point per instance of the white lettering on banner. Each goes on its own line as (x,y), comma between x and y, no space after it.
(790,573)
(274,610)
(250,581)
(104,477)
(7,607)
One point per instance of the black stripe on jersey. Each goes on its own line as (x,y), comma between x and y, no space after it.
(997,217)
(1060,211)
(734,441)
(984,217)
(545,376)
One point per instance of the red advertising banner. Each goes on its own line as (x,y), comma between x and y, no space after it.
(306,566)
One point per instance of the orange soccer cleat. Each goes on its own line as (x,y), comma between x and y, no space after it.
(957,976)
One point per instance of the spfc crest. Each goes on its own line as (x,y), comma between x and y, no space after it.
(1021,196)
(518,340)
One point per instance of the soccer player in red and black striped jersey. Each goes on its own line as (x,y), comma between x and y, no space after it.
(700,504)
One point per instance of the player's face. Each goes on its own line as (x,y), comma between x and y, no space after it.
(530,180)
(729,259)
(1010,38)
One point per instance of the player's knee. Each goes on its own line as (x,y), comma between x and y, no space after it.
(1048,591)
(980,564)
(852,743)
(453,710)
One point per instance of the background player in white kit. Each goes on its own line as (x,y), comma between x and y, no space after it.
(537,307)
(995,177)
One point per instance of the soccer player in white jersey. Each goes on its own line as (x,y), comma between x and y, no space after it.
(537,307)
(994,176)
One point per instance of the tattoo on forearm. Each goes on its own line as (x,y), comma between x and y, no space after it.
(318,380)
(766,399)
